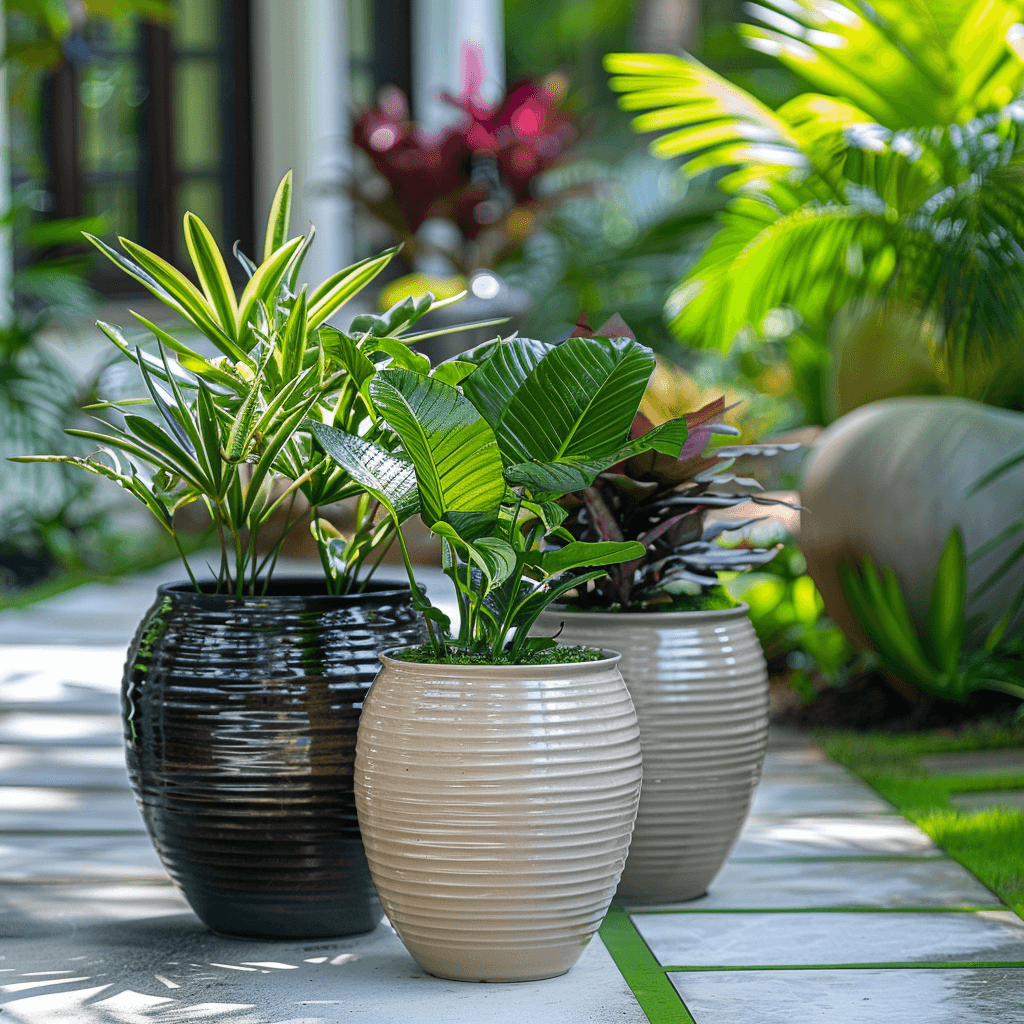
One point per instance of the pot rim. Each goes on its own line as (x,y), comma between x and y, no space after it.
(611,659)
(375,591)
(648,618)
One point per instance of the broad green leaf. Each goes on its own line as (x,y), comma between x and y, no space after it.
(667,438)
(458,466)
(494,557)
(401,355)
(581,554)
(492,385)
(549,513)
(547,481)
(389,478)
(577,403)
(452,372)
(212,273)
(279,219)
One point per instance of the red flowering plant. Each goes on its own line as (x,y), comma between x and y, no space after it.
(663,502)
(479,173)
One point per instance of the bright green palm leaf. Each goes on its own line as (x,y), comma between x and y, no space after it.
(709,112)
(458,465)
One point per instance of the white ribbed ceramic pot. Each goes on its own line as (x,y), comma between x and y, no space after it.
(700,688)
(496,806)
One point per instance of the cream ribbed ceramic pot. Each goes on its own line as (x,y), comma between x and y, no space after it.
(700,687)
(496,806)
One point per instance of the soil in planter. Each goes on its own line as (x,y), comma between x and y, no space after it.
(870,701)
(549,656)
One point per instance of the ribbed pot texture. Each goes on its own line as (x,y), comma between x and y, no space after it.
(240,718)
(700,687)
(496,805)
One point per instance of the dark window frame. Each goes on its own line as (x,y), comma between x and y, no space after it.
(158,178)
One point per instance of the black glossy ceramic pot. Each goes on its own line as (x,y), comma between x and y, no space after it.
(240,719)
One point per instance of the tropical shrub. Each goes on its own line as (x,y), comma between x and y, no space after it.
(489,443)
(897,182)
(938,662)
(661,501)
(228,431)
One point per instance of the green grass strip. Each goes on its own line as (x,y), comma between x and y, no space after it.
(646,978)
(986,842)
(893,966)
(642,911)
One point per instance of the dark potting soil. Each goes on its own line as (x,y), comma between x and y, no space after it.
(870,701)
(547,656)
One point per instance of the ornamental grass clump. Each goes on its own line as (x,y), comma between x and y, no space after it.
(660,501)
(489,443)
(231,430)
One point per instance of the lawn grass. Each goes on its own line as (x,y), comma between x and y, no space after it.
(989,843)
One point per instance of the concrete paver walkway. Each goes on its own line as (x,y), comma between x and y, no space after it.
(831,907)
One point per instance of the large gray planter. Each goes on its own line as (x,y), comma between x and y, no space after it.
(699,684)
(891,479)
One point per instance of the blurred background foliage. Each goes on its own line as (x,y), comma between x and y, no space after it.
(624,226)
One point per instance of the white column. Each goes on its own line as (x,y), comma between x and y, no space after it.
(302,122)
(440,31)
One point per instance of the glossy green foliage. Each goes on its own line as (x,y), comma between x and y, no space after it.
(523,404)
(898,179)
(937,662)
(232,431)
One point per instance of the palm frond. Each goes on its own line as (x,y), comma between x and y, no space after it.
(813,256)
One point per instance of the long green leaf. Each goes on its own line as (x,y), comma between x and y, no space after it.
(948,606)
(279,219)
(212,273)
(185,293)
(353,281)
(294,339)
(263,285)
(219,382)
